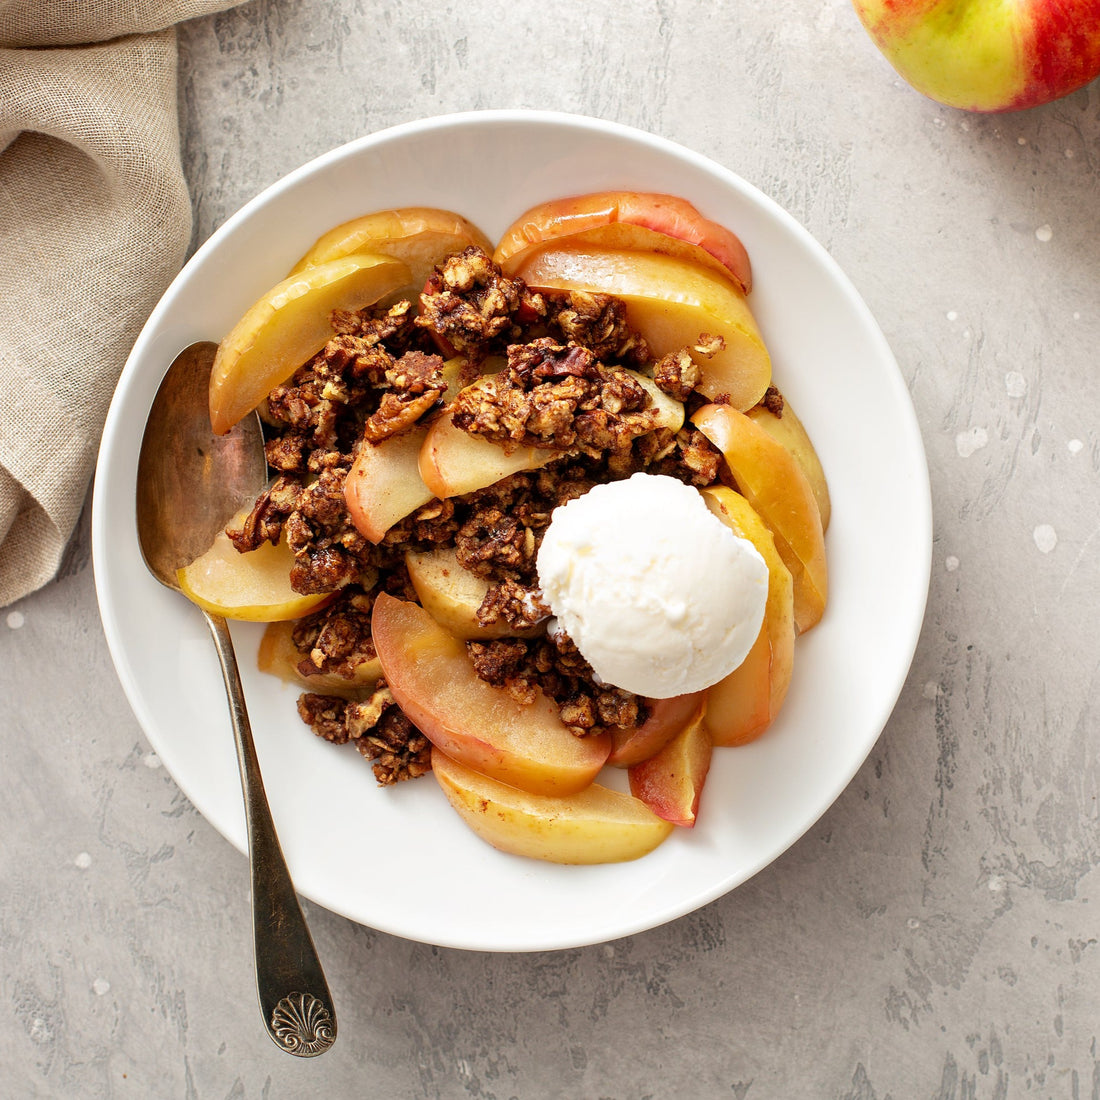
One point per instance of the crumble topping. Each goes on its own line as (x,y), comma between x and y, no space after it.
(474,307)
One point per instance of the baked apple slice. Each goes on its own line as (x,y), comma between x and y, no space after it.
(288,326)
(672,303)
(383,485)
(671,782)
(279,656)
(667,718)
(604,213)
(451,594)
(419,236)
(254,587)
(742,706)
(772,481)
(596,825)
(431,677)
(454,462)
(788,430)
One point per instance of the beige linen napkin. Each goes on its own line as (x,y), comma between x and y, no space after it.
(94,223)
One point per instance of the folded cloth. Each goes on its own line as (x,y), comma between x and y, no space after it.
(95,220)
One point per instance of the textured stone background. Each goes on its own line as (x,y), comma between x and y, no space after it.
(936,934)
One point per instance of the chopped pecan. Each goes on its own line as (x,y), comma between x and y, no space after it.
(381,732)
(264,523)
(396,414)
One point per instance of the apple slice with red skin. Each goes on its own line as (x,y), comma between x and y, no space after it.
(743,705)
(383,485)
(433,681)
(667,717)
(666,215)
(596,825)
(631,238)
(772,481)
(672,303)
(671,782)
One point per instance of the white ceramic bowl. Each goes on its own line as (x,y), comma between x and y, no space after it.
(398,859)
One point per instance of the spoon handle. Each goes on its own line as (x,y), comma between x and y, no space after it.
(294,996)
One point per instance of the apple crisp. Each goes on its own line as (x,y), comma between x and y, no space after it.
(573,384)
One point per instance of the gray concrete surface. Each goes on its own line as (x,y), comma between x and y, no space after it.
(935,935)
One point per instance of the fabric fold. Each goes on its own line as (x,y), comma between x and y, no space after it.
(95,219)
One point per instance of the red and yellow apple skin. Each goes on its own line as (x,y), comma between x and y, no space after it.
(596,825)
(667,717)
(431,677)
(744,704)
(988,55)
(671,782)
(772,481)
(667,215)
(672,303)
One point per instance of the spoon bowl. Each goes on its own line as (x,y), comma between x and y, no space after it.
(190,483)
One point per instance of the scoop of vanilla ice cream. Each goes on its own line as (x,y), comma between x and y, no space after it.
(659,595)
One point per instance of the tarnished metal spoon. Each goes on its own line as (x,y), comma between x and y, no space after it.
(190,484)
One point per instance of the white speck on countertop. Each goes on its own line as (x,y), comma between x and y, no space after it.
(1074,446)
(931,690)
(1046,538)
(15,619)
(996,884)
(1044,233)
(1069,154)
(151,760)
(83,860)
(913,923)
(951,563)
(1015,384)
(101,986)
(973,439)
(952,315)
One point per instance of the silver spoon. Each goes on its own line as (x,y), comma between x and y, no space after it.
(190,483)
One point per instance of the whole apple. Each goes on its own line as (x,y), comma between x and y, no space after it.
(988,55)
